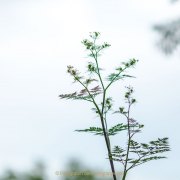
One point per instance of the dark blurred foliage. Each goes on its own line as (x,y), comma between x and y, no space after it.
(76,166)
(170,35)
(38,172)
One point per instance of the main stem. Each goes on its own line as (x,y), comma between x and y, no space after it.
(106,137)
(108,148)
(124,176)
(104,131)
(128,147)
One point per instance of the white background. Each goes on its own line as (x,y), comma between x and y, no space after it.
(39,38)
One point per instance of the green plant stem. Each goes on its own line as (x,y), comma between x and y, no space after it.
(124,175)
(114,78)
(104,130)
(104,91)
(128,147)
(103,119)
(135,164)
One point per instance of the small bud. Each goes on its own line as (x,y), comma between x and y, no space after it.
(133,101)
(121,109)
(127,95)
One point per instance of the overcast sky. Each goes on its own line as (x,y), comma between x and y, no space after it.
(39,38)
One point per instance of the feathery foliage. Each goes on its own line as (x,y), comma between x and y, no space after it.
(94,85)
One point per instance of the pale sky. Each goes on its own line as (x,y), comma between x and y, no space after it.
(39,38)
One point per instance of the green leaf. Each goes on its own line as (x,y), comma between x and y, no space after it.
(126,75)
(118,150)
(82,95)
(117,128)
(114,77)
(91,67)
(152,158)
(94,130)
(117,75)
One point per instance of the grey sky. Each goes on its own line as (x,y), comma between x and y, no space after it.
(39,38)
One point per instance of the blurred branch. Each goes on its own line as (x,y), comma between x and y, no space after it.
(170,36)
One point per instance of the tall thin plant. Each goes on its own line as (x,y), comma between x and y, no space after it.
(94,85)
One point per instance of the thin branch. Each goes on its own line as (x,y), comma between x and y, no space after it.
(129,139)
(115,78)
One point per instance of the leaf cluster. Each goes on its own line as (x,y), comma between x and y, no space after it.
(84,94)
(111,132)
(134,153)
(141,152)
(92,46)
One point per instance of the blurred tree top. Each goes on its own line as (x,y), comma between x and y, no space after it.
(38,172)
(170,35)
